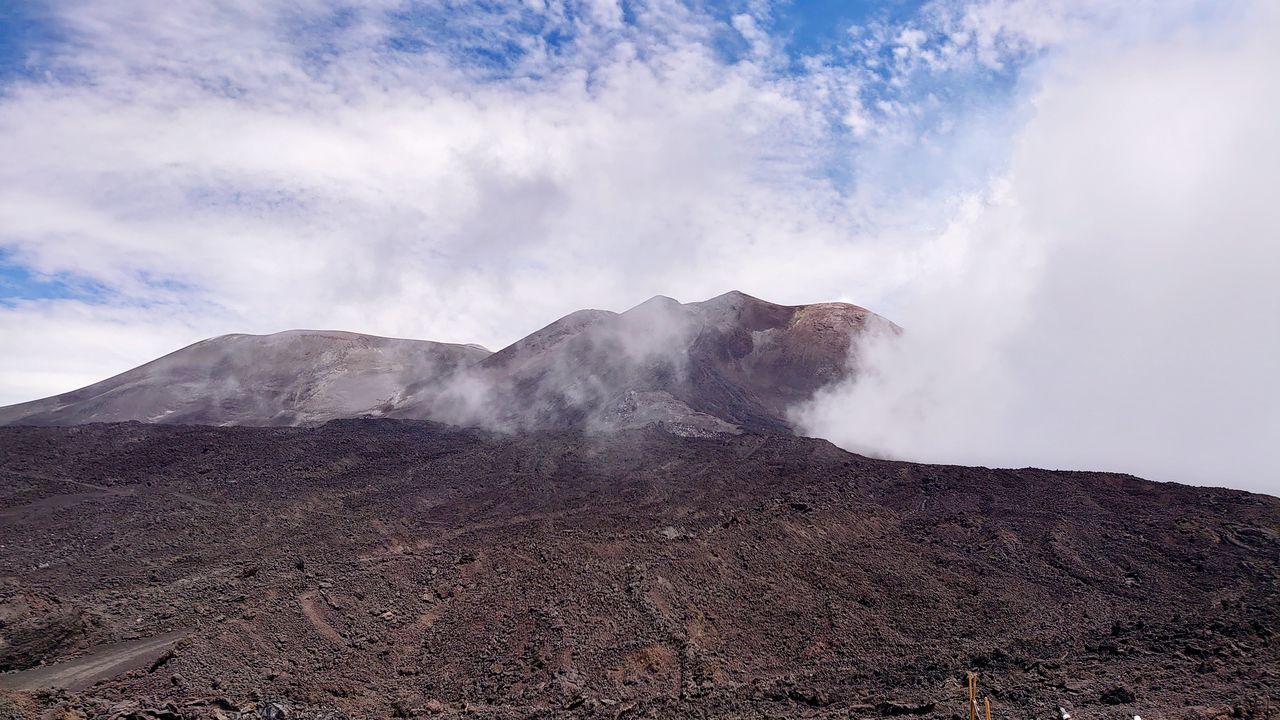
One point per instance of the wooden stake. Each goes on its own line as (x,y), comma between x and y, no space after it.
(987,701)
(973,696)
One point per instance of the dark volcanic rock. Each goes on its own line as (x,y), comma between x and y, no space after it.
(1118,695)
(459,573)
(34,625)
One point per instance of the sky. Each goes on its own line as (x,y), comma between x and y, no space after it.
(1068,204)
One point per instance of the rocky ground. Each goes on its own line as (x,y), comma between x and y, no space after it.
(386,568)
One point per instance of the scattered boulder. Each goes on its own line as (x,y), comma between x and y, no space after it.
(36,626)
(272,710)
(1118,695)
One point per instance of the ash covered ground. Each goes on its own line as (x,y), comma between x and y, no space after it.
(393,568)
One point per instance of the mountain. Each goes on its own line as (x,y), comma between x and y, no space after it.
(373,569)
(724,365)
(299,376)
(728,364)
(697,561)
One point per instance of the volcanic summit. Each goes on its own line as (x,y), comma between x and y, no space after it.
(728,364)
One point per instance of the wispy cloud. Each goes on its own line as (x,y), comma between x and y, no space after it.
(308,164)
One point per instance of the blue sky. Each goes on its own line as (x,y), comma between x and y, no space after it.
(821,26)
(21,29)
(17,282)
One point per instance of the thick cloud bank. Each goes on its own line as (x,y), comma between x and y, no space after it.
(1113,301)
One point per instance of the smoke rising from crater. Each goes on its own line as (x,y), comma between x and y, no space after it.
(573,372)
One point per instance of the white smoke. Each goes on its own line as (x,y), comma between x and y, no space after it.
(576,371)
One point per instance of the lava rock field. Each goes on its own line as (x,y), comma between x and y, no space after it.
(379,568)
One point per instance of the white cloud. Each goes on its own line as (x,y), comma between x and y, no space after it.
(57,345)
(1112,302)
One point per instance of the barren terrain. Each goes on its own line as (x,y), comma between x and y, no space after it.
(375,568)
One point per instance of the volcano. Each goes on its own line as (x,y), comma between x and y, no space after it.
(729,364)
(610,518)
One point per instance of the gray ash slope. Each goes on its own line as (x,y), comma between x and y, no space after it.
(288,378)
(728,364)
(381,567)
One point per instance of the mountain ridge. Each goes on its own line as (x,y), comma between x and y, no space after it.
(244,379)
(726,364)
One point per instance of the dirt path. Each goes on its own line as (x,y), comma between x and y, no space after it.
(103,662)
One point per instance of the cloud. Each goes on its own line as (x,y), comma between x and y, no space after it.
(209,151)
(469,172)
(1110,301)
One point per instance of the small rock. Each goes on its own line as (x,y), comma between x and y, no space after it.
(812,698)
(1118,695)
(273,711)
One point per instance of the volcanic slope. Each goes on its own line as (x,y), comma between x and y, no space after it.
(287,378)
(728,364)
(382,567)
